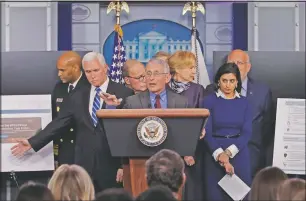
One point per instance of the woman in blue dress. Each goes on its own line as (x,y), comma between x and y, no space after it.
(228,131)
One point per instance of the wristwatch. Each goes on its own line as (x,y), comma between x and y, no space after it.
(228,153)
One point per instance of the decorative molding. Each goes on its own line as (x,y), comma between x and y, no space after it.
(27,4)
(276,4)
(49,27)
(255,27)
(46,5)
(297,27)
(293,5)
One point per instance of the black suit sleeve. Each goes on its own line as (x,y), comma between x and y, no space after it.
(54,128)
(209,90)
(127,92)
(53,102)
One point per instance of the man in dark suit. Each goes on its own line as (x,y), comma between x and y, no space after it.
(158,95)
(91,148)
(260,97)
(72,79)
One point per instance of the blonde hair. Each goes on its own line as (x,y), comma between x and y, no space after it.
(181,59)
(289,188)
(71,182)
(162,55)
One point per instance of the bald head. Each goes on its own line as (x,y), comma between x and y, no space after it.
(70,58)
(133,74)
(242,60)
(69,66)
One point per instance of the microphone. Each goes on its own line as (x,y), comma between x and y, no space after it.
(13,176)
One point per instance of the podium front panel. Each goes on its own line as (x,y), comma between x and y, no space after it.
(182,136)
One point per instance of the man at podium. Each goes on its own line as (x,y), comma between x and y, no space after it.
(157,95)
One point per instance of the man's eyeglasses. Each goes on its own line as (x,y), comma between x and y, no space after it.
(155,74)
(140,78)
(239,62)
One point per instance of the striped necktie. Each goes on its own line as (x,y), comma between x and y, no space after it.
(95,107)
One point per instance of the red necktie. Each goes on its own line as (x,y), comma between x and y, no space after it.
(157,102)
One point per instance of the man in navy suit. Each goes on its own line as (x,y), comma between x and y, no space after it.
(260,97)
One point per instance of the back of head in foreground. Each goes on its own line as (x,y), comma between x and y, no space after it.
(114,194)
(71,182)
(32,191)
(156,193)
(166,168)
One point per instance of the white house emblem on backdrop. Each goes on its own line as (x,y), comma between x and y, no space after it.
(224,33)
(152,131)
(80,12)
(145,45)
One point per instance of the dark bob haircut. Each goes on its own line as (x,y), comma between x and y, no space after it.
(226,69)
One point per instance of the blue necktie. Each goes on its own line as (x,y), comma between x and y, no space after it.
(96,107)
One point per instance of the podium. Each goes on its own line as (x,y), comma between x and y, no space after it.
(137,134)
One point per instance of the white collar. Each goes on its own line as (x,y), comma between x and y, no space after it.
(220,93)
(76,82)
(103,87)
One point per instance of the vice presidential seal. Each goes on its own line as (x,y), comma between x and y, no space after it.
(152,131)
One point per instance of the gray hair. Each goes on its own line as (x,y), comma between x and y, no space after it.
(90,56)
(160,62)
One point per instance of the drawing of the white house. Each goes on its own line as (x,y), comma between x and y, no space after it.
(145,45)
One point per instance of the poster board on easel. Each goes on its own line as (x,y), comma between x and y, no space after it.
(22,116)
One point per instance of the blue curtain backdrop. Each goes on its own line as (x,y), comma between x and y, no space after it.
(64,32)
(240,26)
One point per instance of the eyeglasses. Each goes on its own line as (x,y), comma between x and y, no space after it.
(155,74)
(239,62)
(140,78)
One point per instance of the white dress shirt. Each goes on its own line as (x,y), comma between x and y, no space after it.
(93,92)
(75,82)
(232,148)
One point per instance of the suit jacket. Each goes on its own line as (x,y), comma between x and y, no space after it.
(64,144)
(91,147)
(142,100)
(260,98)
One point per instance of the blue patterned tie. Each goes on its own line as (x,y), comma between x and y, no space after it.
(95,107)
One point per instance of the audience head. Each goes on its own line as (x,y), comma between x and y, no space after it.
(242,60)
(162,55)
(95,68)
(157,75)
(166,168)
(69,66)
(114,194)
(32,191)
(266,183)
(71,182)
(300,196)
(134,75)
(182,66)
(290,188)
(228,79)
(156,193)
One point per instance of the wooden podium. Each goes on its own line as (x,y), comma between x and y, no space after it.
(184,127)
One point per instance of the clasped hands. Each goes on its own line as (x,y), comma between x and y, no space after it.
(223,160)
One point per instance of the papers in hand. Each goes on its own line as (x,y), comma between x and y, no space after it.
(234,187)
